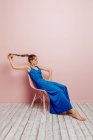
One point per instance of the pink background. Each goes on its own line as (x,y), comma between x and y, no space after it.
(60,33)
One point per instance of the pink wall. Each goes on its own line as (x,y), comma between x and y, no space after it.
(60,32)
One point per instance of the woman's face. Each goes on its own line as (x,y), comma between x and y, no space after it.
(34,61)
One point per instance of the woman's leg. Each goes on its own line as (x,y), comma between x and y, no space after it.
(64,88)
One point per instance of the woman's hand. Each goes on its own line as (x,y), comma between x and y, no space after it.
(10,56)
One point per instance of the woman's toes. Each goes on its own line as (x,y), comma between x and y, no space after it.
(83,118)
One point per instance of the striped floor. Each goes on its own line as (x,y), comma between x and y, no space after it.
(19,122)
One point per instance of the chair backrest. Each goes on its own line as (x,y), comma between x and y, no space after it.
(32,84)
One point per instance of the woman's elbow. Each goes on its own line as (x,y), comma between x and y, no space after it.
(14,67)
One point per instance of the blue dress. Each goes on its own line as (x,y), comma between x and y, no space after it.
(58,93)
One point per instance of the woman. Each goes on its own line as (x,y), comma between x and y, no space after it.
(58,93)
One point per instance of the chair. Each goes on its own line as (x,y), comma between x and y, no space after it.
(39,93)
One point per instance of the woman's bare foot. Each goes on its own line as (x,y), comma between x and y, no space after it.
(76,115)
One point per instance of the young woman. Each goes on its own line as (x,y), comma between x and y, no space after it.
(58,93)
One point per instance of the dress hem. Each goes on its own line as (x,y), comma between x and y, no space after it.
(61,111)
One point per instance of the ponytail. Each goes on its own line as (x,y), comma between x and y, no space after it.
(30,57)
(22,55)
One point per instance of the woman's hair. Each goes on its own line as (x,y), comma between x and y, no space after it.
(30,56)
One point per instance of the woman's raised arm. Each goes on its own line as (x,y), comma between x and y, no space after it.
(47,69)
(25,67)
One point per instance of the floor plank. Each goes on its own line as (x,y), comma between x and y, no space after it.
(20,121)
(85,126)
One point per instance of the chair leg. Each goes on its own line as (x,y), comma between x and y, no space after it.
(33,100)
(44,105)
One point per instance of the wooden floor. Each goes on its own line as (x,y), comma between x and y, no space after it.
(19,122)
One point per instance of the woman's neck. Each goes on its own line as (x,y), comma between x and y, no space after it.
(32,65)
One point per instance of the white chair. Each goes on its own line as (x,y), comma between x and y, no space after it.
(38,94)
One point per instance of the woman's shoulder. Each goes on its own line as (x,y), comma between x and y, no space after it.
(28,68)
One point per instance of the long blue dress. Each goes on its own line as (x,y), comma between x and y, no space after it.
(58,93)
